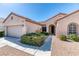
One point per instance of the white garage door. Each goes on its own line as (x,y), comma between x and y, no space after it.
(14,31)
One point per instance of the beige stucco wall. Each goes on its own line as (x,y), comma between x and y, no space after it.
(16,21)
(52,21)
(31,27)
(62,25)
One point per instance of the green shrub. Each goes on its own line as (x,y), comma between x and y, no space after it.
(30,34)
(45,33)
(73,37)
(1,33)
(35,39)
(35,34)
(63,37)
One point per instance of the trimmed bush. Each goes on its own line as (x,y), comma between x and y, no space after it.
(30,34)
(35,39)
(1,33)
(73,37)
(63,37)
(45,33)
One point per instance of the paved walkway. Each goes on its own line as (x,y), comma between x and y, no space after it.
(63,48)
(45,50)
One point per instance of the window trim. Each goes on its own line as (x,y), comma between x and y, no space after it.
(44,28)
(72,28)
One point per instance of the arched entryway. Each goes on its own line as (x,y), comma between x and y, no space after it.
(52,29)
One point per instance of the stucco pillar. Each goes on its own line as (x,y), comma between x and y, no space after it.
(5,29)
(47,29)
(24,30)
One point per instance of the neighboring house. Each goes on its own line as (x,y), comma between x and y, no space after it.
(16,25)
(1,24)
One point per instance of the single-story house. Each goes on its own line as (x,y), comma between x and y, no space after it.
(1,24)
(16,25)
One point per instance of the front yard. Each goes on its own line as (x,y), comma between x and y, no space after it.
(35,39)
(44,50)
(64,48)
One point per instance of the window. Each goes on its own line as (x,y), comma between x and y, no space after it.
(72,28)
(11,17)
(44,29)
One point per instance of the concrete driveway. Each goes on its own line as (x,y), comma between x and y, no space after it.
(10,51)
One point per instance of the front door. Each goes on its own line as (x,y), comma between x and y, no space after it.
(52,29)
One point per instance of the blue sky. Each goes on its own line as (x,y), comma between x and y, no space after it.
(37,12)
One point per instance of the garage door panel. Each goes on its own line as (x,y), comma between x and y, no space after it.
(14,31)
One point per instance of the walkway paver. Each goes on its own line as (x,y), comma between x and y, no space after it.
(63,48)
